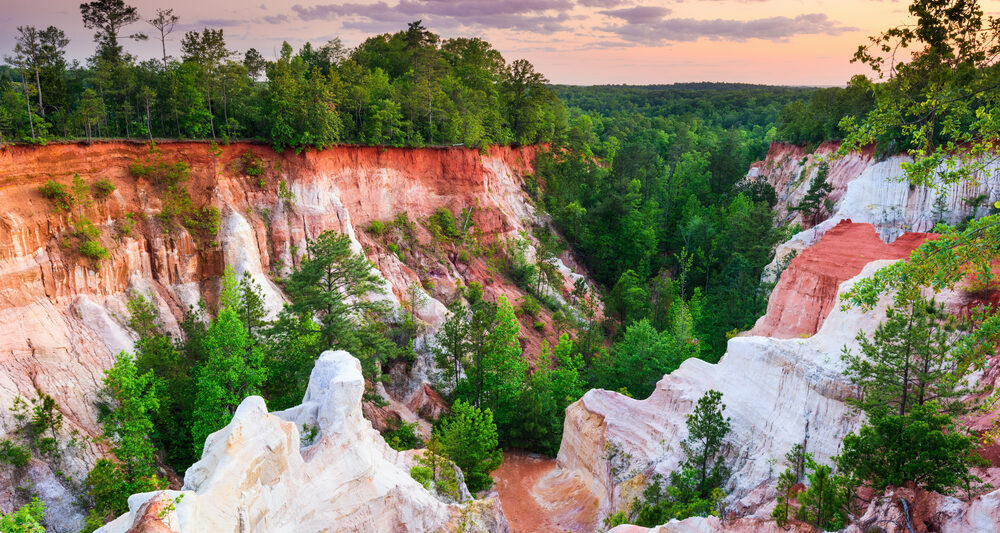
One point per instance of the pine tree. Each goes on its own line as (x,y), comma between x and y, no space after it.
(469,438)
(127,425)
(813,205)
(451,346)
(907,362)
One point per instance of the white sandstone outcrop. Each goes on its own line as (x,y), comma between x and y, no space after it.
(868,190)
(778,393)
(259,474)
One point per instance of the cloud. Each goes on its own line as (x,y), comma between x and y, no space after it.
(220,23)
(639,14)
(601,3)
(277,19)
(778,29)
(480,8)
(521,15)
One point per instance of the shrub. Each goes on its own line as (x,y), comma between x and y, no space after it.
(13,454)
(101,189)
(422,475)
(93,250)
(57,193)
(86,229)
(250,164)
(443,224)
(539,325)
(376,228)
(204,221)
(402,436)
(529,307)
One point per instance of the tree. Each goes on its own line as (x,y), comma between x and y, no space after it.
(469,438)
(824,503)
(108,18)
(90,111)
(707,430)
(451,346)
(907,362)
(164,22)
(695,489)
(25,519)
(254,62)
(25,51)
(232,371)
(127,425)
(554,385)
(526,92)
(503,369)
(923,446)
(813,204)
(335,286)
(641,358)
(207,50)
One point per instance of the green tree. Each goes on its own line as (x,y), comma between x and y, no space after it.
(127,425)
(707,430)
(695,489)
(338,288)
(907,362)
(924,446)
(469,438)
(451,346)
(824,503)
(232,371)
(25,519)
(813,205)
(108,18)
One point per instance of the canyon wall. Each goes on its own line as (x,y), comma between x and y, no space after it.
(65,318)
(782,382)
(867,188)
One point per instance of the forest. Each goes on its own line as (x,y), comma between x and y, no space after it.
(645,186)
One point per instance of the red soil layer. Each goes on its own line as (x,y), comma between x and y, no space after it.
(807,290)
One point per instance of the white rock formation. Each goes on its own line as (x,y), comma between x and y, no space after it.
(872,191)
(258,474)
(778,393)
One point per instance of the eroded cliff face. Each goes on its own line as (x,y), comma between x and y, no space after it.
(867,188)
(262,473)
(64,319)
(782,382)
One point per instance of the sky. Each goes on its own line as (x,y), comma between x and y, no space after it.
(581,42)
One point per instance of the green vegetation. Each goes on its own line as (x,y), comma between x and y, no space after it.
(406,88)
(469,438)
(695,489)
(26,519)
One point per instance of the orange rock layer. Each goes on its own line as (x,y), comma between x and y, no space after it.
(807,289)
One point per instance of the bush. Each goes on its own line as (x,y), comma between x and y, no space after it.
(469,438)
(58,194)
(101,189)
(422,475)
(402,436)
(442,224)
(86,229)
(251,164)
(529,306)
(376,228)
(13,454)
(92,249)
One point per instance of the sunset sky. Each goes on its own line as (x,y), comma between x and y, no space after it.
(784,42)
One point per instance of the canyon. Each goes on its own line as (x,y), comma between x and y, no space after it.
(781,381)
(66,319)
